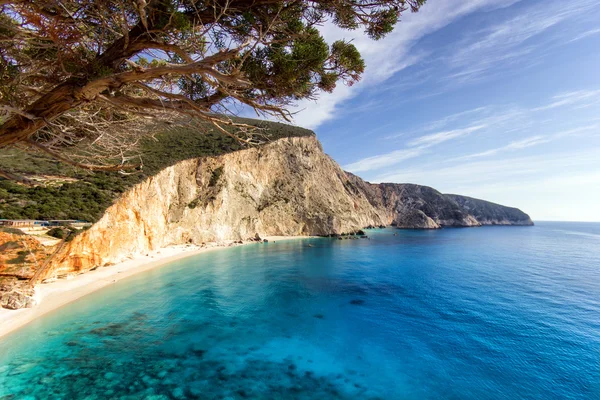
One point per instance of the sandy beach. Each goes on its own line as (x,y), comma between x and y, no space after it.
(52,295)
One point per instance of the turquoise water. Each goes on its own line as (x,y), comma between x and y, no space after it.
(479,313)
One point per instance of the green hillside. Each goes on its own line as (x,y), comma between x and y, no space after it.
(74,193)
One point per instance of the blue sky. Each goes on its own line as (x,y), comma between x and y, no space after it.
(495,99)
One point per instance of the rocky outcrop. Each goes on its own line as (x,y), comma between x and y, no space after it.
(415,206)
(288,187)
(488,213)
(15,294)
(410,206)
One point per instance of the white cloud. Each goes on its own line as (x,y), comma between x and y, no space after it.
(417,147)
(581,98)
(508,120)
(585,34)
(494,48)
(528,142)
(384,160)
(463,176)
(498,44)
(440,137)
(502,48)
(310,114)
(387,56)
(443,122)
(516,145)
(510,41)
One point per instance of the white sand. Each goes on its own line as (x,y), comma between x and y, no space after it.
(50,296)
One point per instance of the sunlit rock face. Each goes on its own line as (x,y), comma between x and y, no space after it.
(288,187)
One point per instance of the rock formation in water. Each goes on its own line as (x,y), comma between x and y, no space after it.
(288,187)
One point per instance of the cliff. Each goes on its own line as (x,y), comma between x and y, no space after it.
(287,187)
(488,213)
(415,206)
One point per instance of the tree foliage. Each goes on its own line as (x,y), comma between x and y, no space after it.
(93,71)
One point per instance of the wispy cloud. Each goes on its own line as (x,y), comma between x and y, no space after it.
(386,57)
(529,142)
(501,49)
(515,145)
(419,145)
(473,173)
(512,41)
(585,34)
(384,160)
(440,137)
(581,98)
(442,122)
(416,147)
(506,120)
(496,49)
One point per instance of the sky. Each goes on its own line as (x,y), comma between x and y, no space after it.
(494,99)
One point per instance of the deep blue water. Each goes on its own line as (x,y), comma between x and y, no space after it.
(479,313)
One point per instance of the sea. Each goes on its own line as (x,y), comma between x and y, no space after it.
(462,313)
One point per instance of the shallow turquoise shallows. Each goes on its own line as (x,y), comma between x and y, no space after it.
(479,313)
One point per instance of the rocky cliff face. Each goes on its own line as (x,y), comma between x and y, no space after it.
(288,187)
(410,206)
(415,206)
(488,213)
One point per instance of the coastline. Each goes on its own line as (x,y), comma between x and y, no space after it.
(58,293)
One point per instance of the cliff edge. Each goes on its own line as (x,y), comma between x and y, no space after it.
(287,187)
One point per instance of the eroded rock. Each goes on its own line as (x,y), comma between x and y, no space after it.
(16,294)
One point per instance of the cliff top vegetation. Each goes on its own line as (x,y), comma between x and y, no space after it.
(56,190)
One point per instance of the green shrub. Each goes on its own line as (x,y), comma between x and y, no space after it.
(58,233)
(215,176)
(10,245)
(20,259)
(13,231)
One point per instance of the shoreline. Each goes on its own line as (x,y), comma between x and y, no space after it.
(53,295)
